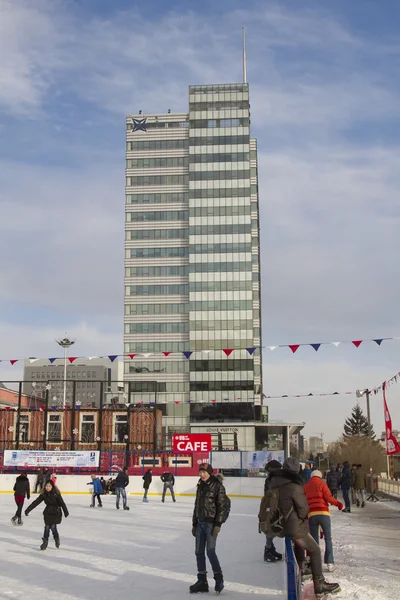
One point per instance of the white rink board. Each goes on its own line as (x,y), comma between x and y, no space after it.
(144,553)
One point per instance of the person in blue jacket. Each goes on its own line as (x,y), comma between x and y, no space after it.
(307,472)
(97,491)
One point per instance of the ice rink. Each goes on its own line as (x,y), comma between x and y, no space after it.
(145,553)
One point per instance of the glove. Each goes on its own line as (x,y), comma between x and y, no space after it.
(194,531)
(216,530)
(340,506)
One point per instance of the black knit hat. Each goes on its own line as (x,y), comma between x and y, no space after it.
(272,464)
(206,467)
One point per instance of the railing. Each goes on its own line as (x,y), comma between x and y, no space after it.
(389,486)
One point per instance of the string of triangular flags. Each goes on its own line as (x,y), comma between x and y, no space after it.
(387,383)
(188,354)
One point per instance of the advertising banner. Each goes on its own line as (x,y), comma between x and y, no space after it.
(258,460)
(226,460)
(191,442)
(49,458)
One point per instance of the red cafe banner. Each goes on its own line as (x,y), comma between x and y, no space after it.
(191,442)
(392,445)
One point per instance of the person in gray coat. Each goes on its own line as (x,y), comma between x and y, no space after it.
(294,507)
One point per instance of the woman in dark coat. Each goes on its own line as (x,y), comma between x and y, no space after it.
(147,479)
(52,514)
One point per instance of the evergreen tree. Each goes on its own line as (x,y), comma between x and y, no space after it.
(357,424)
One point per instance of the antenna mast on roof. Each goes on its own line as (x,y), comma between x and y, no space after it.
(244,56)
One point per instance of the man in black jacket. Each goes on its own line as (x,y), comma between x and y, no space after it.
(270,553)
(21,489)
(333,479)
(121,482)
(208,516)
(294,508)
(169,481)
(346,481)
(147,479)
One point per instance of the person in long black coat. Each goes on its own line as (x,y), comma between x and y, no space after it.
(52,514)
(147,479)
(21,490)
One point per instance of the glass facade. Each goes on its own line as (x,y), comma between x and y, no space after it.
(199,250)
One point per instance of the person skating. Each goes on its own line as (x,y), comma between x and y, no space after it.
(169,481)
(307,472)
(46,476)
(208,516)
(121,483)
(332,480)
(294,508)
(353,474)
(39,481)
(103,485)
(346,481)
(97,491)
(147,479)
(319,497)
(52,514)
(21,490)
(270,553)
(360,485)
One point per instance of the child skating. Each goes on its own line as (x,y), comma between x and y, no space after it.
(52,514)
(21,490)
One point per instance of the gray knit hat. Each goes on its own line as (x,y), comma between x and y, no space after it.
(291,464)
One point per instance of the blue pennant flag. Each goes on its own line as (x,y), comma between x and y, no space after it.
(316,346)
(113,357)
(54,407)
(51,360)
(139,125)
(251,351)
(188,354)
(379,342)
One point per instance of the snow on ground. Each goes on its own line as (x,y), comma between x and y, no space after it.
(367,552)
(145,553)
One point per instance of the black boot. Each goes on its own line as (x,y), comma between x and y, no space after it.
(322,587)
(201,584)
(44,544)
(270,556)
(358,504)
(19,521)
(363,504)
(278,555)
(219,582)
(57,541)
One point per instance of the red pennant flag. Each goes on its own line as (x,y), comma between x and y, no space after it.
(294,347)
(357,343)
(392,445)
(167,353)
(72,358)
(213,400)
(177,401)
(228,351)
(131,356)
(8,407)
(13,361)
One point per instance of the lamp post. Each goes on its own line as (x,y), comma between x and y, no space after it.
(360,393)
(65,343)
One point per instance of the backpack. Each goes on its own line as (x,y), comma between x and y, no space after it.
(227,508)
(271,519)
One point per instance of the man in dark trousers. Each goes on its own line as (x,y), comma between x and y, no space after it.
(121,483)
(294,508)
(147,479)
(208,516)
(270,553)
(169,481)
(39,481)
(21,490)
(346,481)
(332,480)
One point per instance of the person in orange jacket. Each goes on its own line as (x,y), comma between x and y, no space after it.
(319,497)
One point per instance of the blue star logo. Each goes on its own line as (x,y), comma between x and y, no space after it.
(139,125)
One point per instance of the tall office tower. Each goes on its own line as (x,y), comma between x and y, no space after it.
(192,263)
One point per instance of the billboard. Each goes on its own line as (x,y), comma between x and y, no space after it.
(191,442)
(50,458)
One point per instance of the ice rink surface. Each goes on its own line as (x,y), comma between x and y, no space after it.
(145,553)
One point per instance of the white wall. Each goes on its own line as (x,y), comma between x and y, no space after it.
(77,484)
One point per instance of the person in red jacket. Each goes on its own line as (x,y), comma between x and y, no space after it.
(319,497)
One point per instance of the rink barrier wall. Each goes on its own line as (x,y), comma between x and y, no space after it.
(236,487)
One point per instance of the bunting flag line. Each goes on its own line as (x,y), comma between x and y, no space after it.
(387,383)
(188,354)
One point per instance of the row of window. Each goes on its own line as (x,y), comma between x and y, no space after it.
(176,198)
(219,140)
(219,248)
(219,175)
(157,180)
(159,162)
(219,267)
(220,286)
(159,215)
(220,229)
(230,364)
(218,305)
(218,123)
(157,234)
(233,192)
(157,309)
(144,347)
(150,386)
(220,211)
(232,104)
(159,252)
(220,157)
(158,290)
(158,328)
(226,325)
(71,373)
(185,366)
(157,145)
(161,125)
(173,366)
(158,271)
(218,386)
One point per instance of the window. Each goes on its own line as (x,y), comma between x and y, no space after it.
(162,162)
(164,215)
(219,157)
(176,198)
(218,175)
(23,428)
(158,290)
(218,123)
(157,347)
(157,309)
(158,327)
(218,248)
(157,234)
(159,252)
(221,286)
(157,145)
(120,428)
(219,140)
(140,180)
(87,429)
(54,428)
(232,192)
(174,271)
(219,211)
(219,229)
(220,267)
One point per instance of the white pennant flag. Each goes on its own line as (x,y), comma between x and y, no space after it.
(32,360)
(92,357)
(271,347)
(336,344)
(147,355)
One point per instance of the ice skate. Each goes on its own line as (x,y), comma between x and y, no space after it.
(322,588)
(44,544)
(219,582)
(358,504)
(270,555)
(19,522)
(363,504)
(330,568)
(57,542)
(126,508)
(201,584)
(14,520)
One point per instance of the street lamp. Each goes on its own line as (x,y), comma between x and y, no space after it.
(360,393)
(65,343)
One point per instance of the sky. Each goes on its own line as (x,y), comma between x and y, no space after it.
(324,86)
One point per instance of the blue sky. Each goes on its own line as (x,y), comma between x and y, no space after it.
(325,109)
